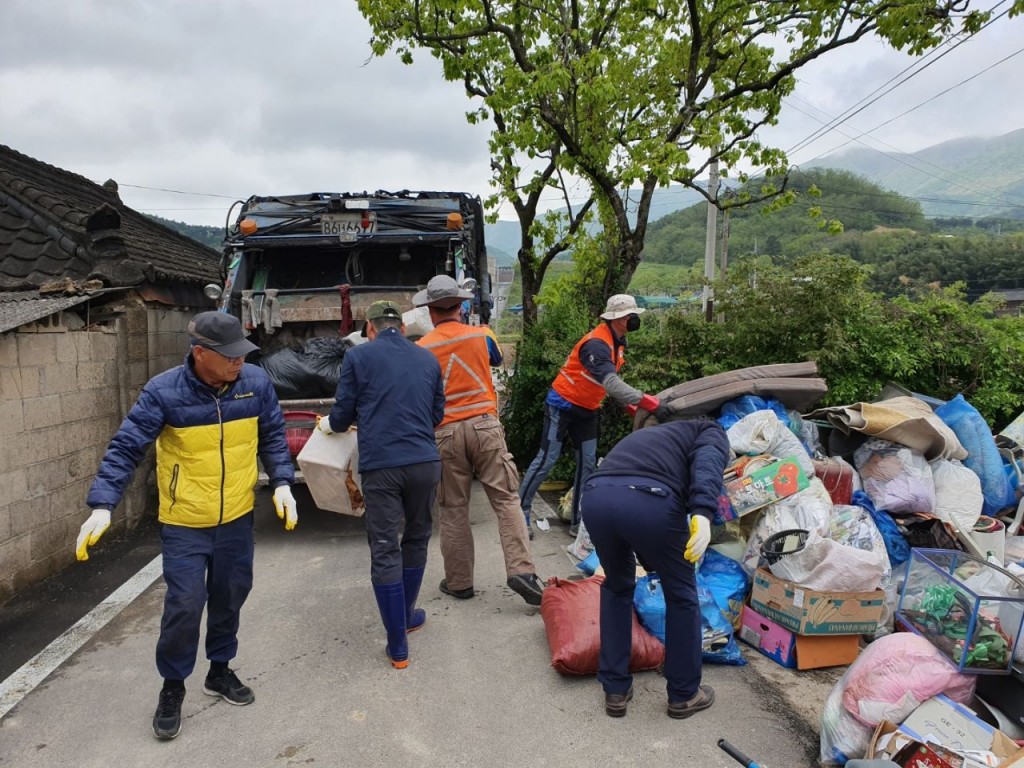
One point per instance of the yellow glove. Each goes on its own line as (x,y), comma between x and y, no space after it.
(91,531)
(700,537)
(284,503)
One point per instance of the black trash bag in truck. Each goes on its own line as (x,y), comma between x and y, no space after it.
(324,356)
(307,372)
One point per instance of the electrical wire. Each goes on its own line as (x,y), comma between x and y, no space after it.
(922,64)
(926,101)
(904,159)
(178,191)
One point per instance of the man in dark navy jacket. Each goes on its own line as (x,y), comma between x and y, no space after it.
(652,499)
(393,389)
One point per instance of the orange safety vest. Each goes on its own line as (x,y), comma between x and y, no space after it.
(575,383)
(465,370)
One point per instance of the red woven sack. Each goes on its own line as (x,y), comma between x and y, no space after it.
(571,611)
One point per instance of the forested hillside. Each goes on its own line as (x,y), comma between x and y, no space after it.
(211,236)
(880,228)
(975,176)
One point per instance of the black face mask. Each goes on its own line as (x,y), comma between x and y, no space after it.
(633,323)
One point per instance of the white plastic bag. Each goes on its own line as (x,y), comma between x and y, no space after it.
(763,432)
(808,510)
(825,565)
(897,479)
(958,497)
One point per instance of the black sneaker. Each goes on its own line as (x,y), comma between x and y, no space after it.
(461,594)
(229,687)
(167,720)
(527,586)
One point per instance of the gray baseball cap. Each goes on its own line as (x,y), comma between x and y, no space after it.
(220,332)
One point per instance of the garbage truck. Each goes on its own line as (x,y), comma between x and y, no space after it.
(299,271)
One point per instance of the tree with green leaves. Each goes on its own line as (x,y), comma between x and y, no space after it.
(627,94)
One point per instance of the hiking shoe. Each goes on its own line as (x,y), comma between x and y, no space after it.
(615,703)
(167,720)
(527,586)
(704,698)
(461,594)
(229,687)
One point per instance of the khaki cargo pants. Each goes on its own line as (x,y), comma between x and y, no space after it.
(476,446)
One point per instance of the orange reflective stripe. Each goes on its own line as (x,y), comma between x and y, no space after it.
(462,353)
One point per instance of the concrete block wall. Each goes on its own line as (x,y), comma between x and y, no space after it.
(63,394)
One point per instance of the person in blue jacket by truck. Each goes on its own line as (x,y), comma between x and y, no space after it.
(393,390)
(209,418)
(653,499)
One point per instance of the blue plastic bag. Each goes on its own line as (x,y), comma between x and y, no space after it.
(590,563)
(719,644)
(895,545)
(728,582)
(734,410)
(983,457)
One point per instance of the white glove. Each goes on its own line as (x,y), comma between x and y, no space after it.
(91,531)
(700,537)
(284,503)
(323,423)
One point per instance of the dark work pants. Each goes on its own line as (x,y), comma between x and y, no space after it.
(392,495)
(580,426)
(626,515)
(203,568)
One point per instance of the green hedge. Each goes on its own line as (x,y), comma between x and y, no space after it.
(932,341)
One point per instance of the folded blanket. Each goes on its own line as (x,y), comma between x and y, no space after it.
(904,420)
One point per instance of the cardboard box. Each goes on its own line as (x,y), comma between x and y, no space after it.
(330,465)
(793,651)
(818,651)
(809,612)
(952,732)
(774,641)
(765,486)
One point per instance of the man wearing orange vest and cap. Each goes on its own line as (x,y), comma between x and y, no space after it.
(590,372)
(471,441)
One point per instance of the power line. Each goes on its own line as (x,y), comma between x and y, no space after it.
(922,64)
(926,101)
(176,192)
(903,159)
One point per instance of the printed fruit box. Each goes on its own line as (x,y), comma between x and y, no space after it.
(764,486)
(809,612)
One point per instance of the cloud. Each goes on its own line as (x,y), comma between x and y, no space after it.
(232,98)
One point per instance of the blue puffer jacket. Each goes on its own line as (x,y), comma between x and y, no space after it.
(206,446)
(686,456)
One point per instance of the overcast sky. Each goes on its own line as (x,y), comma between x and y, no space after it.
(230,98)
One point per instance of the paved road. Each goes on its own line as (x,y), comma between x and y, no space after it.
(479,690)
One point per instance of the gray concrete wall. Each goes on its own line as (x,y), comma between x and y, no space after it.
(63,393)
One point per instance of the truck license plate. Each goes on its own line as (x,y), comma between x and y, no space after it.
(342,224)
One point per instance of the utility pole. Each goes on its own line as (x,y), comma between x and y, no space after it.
(709,242)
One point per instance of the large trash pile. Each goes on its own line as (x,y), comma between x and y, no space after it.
(881,535)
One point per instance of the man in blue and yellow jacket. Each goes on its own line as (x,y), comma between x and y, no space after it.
(209,418)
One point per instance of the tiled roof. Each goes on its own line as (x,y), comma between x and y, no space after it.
(20,307)
(56,224)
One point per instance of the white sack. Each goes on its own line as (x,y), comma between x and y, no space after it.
(897,479)
(958,497)
(762,432)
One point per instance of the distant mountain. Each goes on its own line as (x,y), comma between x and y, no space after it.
(504,235)
(976,177)
(211,236)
